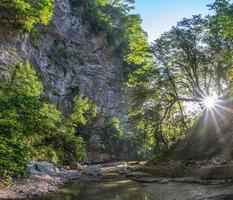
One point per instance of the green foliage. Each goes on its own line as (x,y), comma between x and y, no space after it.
(26,14)
(90,11)
(83,110)
(191,61)
(24,80)
(14,153)
(112,132)
(64,145)
(43,153)
(70,148)
(32,129)
(18,105)
(116,141)
(137,41)
(223,16)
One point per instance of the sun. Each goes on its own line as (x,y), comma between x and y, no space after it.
(209,102)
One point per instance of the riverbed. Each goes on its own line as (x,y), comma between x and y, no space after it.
(127,189)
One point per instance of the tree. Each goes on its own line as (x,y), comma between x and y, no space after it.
(26,14)
(191,62)
(68,138)
(221,25)
(32,129)
(223,16)
(20,114)
(137,41)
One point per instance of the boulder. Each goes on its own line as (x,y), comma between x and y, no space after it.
(41,168)
(93,170)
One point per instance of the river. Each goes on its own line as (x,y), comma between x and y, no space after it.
(126,189)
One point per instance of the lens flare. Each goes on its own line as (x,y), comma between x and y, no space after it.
(209,102)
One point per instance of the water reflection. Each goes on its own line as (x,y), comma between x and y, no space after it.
(105,190)
(124,189)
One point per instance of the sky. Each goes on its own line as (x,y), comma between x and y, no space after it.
(160,15)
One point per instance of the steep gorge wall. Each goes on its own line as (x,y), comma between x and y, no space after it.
(70,60)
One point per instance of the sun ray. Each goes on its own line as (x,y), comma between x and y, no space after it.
(206,116)
(221,116)
(216,124)
(230,110)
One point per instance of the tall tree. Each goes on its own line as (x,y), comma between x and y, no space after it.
(191,62)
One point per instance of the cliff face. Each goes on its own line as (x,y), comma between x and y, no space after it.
(70,60)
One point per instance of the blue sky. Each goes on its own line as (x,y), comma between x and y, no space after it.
(160,15)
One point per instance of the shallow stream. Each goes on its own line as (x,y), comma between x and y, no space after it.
(126,189)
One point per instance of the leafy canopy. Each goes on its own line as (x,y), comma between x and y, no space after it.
(191,61)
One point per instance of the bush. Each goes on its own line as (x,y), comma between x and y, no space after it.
(67,140)
(26,14)
(14,154)
(29,126)
(62,148)
(59,142)
(45,153)
(19,107)
(70,148)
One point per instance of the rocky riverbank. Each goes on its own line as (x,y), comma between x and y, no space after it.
(45,177)
(153,179)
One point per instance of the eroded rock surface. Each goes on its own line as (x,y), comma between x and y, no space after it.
(71,60)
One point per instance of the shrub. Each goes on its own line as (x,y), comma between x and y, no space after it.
(19,106)
(29,126)
(14,154)
(45,153)
(70,148)
(59,141)
(26,14)
(72,145)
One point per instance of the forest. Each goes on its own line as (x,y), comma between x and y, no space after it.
(171,84)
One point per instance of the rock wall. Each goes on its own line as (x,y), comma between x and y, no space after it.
(70,60)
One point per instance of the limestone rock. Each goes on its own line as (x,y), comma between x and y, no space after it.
(41,168)
(93,170)
(71,60)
